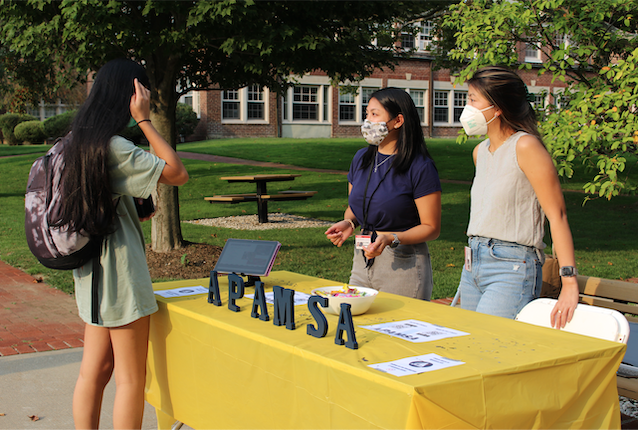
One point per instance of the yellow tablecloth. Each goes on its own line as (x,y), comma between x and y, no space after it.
(210,367)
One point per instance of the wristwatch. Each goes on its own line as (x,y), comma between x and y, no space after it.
(568,271)
(395,242)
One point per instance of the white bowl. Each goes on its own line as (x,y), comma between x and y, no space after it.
(358,305)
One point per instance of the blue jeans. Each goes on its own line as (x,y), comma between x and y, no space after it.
(504,277)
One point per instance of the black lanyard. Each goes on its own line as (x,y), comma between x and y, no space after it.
(365,193)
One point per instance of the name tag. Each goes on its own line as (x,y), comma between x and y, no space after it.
(362,240)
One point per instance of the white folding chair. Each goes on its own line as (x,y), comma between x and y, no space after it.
(588,320)
(456,298)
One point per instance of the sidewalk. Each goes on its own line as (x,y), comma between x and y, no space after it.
(35,317)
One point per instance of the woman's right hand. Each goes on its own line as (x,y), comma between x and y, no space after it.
(339,232)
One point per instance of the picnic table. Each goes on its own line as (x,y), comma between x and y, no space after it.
(261,196)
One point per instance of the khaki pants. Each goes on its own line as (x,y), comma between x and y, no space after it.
(405,270)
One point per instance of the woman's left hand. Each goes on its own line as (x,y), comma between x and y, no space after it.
(376,248)
(140,105)
(563,311)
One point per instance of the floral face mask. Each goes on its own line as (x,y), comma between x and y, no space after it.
(374,132)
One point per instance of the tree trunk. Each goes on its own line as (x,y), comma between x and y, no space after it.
(166,233)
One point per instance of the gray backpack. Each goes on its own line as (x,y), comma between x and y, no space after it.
(60,248)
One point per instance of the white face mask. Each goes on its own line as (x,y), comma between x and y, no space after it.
(473,121)
(374,132)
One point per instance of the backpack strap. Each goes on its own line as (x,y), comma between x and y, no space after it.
(95,284)
(95,298)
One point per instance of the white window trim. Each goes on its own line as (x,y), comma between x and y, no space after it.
(196,106)
(243,108)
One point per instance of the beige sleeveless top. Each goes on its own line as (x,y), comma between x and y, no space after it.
(503,203)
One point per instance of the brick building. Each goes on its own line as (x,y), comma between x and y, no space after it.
(314,108)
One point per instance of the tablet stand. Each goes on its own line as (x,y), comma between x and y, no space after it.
(250,282)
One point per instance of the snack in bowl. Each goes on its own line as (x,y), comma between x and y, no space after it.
(359,298)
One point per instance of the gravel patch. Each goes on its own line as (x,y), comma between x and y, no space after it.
(251,222)
(628,406)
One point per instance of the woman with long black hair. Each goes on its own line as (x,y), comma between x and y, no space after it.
(394,194)
(103,175)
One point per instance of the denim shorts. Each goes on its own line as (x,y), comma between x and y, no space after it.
(504,277)
(405,270)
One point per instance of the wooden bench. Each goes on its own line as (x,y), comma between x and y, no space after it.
(261,199)
(623,297)
(252,197)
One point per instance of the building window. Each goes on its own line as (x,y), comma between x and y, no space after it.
(562,100)
(366,93)
(532,53)
(255,102)
(425,35)
(34,111)
(304,103)
(441,106)
(539,101)
(49,111)
(230,104)
(418,96)
(460,100)
(248,104)
(407,41)
(347,107)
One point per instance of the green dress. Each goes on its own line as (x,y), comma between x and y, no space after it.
(125,288)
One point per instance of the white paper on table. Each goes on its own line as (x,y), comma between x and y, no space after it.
(415,331)
(298,298)
(181,292)
(416,365)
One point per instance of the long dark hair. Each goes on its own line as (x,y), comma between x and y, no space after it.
(88,203)
(411,141)
(506,90)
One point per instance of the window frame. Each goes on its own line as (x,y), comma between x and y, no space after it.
(244,101)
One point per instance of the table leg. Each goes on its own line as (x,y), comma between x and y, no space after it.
(262,205)
(165,421)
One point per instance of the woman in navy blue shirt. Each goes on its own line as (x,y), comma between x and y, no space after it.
(394,194)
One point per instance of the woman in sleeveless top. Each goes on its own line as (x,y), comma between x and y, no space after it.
(515,187)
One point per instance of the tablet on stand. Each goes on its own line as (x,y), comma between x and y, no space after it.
(251,258)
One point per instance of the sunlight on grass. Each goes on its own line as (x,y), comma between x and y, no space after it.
(604,235)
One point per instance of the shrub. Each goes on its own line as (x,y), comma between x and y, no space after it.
(59,125)
(8,122)
(185,120)
(30,131)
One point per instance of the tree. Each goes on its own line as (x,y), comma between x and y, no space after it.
(590,45)
(208,44)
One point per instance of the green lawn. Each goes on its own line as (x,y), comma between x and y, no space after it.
(604,235)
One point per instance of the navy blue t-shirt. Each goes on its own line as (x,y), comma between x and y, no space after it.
(391,207)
